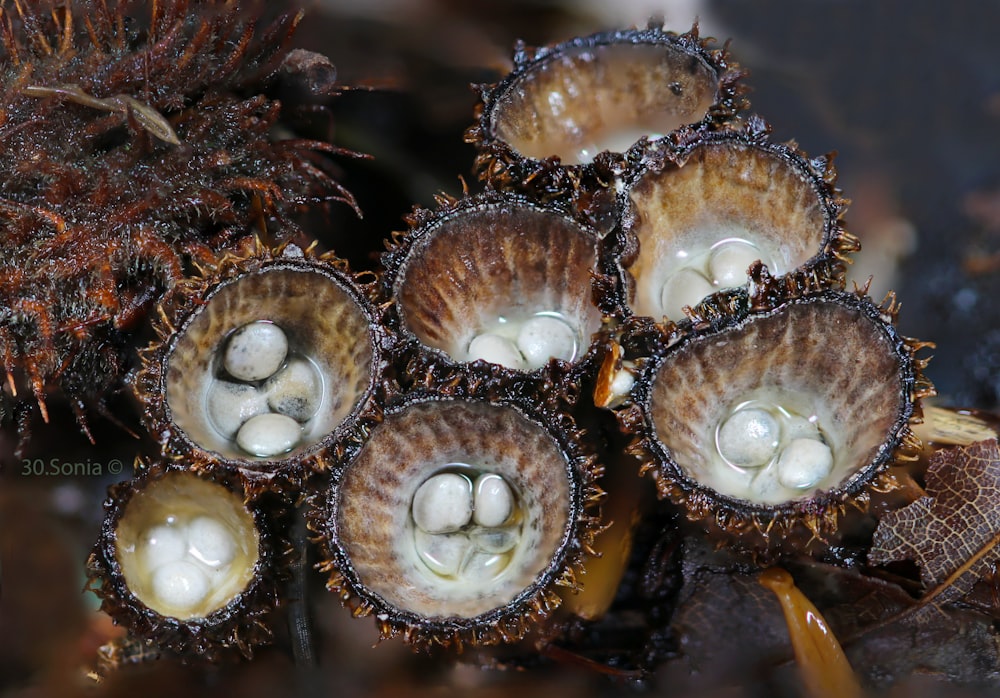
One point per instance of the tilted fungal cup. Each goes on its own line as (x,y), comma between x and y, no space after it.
(700,215)
(200,400)
(602,93)
(541,127)
(496,277)
(184,562)
(780,416)
(457,518)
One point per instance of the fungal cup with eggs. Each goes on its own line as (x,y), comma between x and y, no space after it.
(186,546)
(700,225)
(269,365)
(776,407)
(499,279)
(451,510)
(602,93)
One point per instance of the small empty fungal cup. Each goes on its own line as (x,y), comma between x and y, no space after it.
(811,397)
(602,93)
(701,225)
(505,282)
(454,509)
(271,363)
(186,546)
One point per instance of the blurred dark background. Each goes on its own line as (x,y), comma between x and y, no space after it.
(907,92)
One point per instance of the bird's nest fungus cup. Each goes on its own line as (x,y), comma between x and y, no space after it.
(780,417)
(457,520)
(185,562)
(542,126)
(496,278)
(264,364)
(699,216)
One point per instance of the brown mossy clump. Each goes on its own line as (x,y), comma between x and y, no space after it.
(139,142)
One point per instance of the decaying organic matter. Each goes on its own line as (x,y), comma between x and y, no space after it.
(139,142)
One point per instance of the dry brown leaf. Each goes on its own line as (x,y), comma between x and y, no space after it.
(952,534)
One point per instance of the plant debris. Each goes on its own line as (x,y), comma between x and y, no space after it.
(952,534)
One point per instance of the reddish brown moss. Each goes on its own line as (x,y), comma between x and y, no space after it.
(141,144)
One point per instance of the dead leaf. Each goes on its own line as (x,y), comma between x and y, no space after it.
(951,534)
